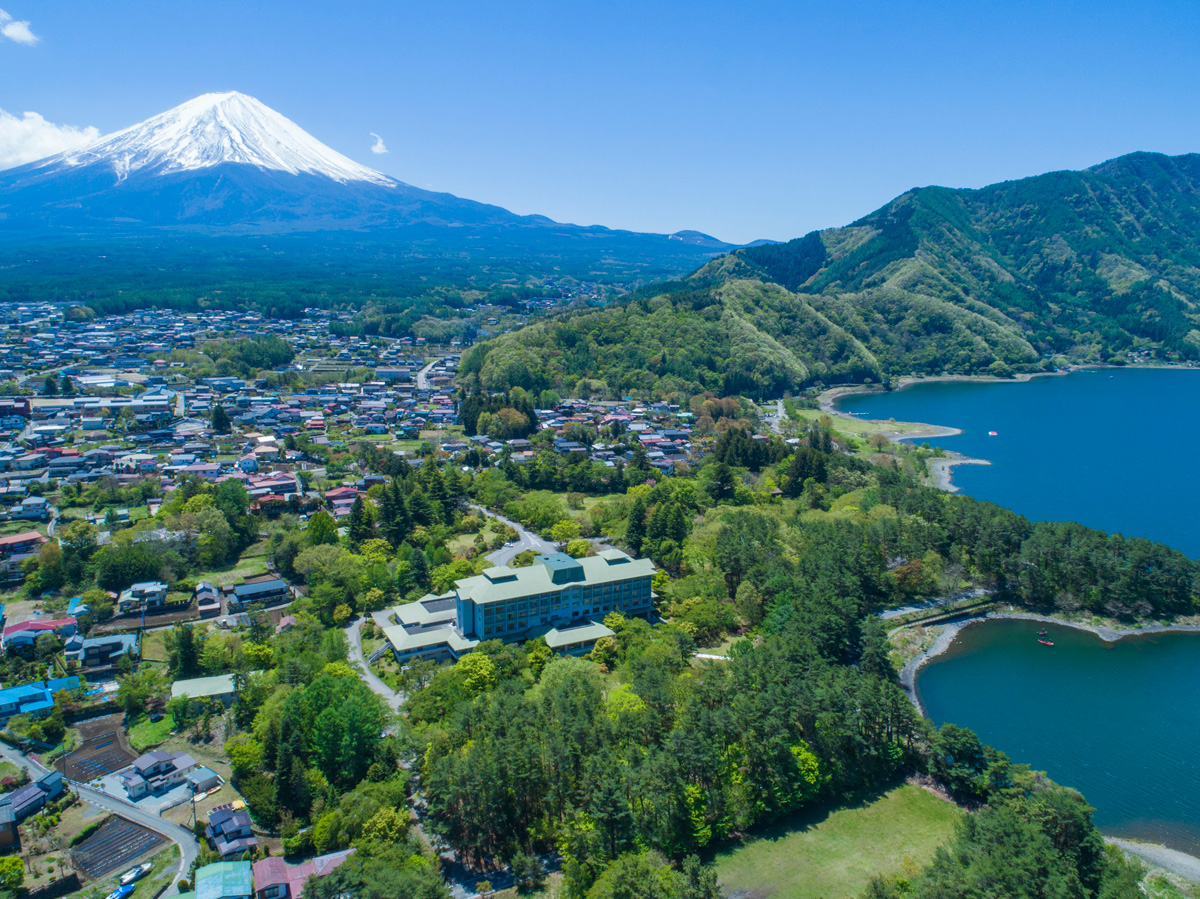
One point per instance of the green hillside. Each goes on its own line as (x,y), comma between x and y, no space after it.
(1088,265)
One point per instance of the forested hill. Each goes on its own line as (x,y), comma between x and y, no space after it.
(1088,265)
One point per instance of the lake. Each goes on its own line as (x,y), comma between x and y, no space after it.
(1111,448)
(1117,721)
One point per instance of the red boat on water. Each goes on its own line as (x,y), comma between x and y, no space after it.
(1046,642)
(1043,632)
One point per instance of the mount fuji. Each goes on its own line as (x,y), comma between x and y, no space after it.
(225,164)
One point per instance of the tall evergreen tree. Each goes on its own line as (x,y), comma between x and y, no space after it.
(419,569)
(220,420)
(360,524)
(635,531)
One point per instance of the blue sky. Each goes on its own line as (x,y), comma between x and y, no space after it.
(741,120)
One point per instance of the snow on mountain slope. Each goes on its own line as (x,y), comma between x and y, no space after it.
(211,130)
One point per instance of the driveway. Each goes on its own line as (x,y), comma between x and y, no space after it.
(393,699)
(526,539)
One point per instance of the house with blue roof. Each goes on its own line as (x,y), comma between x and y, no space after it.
(36,699)
(29,699)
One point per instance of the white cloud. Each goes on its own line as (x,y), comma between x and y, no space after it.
(378,146)
(28,137)
(16,30)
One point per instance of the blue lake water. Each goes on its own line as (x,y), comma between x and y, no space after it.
(1117,721)
(1112,448)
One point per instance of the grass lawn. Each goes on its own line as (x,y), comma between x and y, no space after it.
(861,427)
(722,648)
(252,563)
(147,733)
(833,854)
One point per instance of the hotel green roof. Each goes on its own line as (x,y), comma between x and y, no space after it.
(554,572)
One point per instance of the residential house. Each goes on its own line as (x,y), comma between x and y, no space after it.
(22,636)
(156,772)
(25,801)
(148,595)
(100,652)
(275,879)
(265,592)
(230,831)
(223,880)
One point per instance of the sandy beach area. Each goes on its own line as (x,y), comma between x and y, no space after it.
(941,470)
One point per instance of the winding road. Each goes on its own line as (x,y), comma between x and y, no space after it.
(526,539)
(354,637)
(189,847)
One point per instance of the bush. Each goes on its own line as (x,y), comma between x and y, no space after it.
(88,830)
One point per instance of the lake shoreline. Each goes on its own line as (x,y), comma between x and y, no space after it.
(908,674)
(1154,855)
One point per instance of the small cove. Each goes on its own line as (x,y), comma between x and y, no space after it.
(1110,448)
(1117,721)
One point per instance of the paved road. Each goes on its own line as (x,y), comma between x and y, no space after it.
(390,696)
(526,539)
(423,375)
(188,846)
(934,603)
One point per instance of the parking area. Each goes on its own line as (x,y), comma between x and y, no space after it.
(102,750)
(115,845)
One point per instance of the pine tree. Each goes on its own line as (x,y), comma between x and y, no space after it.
(635,531)
(50,386)
(220,420)
(402,523)
(419,569)
(360,525)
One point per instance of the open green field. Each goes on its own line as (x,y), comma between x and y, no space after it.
(252,563)
(863,428)
(834,854)
(146,733)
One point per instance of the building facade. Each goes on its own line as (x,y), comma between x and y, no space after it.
(559,598)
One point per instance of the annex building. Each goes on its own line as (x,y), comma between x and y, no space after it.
(559,598)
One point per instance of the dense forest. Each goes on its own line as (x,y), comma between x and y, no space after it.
(390,280)
(1069,266)
(639,752)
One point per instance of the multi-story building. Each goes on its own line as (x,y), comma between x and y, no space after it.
(559,598)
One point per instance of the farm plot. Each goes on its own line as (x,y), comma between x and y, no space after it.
(115,845)
(103,749)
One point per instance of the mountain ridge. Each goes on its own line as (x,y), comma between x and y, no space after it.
(1019,276)
(226,163)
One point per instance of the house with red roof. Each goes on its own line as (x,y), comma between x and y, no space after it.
(21,637)
(275,879)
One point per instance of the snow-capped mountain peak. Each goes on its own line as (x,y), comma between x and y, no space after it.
(214,129)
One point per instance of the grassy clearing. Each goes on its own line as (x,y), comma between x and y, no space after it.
(834,854)
(863,427)
(252,564)
(146,733)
